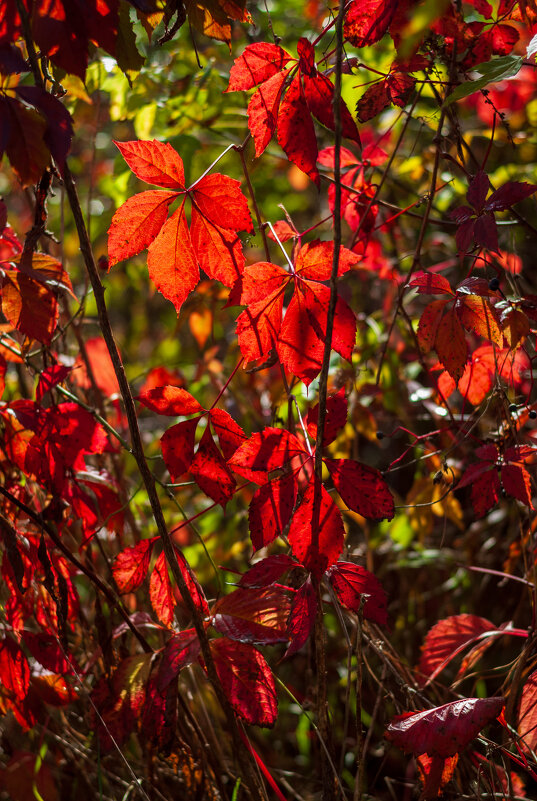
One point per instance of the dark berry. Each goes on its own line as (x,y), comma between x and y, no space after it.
(494,284)
(513,408)
(533,414)
(380,435)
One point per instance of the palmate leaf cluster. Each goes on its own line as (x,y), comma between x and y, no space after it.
(234,553)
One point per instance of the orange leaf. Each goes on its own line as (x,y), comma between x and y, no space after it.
(154,162)
(29,306)
(137,223)
(172,262)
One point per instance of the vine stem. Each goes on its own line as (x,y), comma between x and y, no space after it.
(329,788)
(150,485)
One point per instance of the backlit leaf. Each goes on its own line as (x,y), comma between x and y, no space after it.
(211,472)
(161,591)
(154,162)
(447,638)
(172,261)
(136,224)
(357,589)
(316,532)
(270,510)
(131,565)
(362,488)
(255,615)
(171,401)
(178,447)
(247,681)
(301,620)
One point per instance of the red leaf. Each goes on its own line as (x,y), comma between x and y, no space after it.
(428,324)
(178,447)
(507,195)
(101,366)
(447,638)
(247,681)
(478,190)
(50,378)
(218,250)
(47,651)
(159,716)
(435,772)
(120,701)
(230,434)
(258,326)
(263,111)
(516,482)
(335,418)
(271,509)
(444,730)
(316,533)
(314,260)
(485,492)
(211,472)
(303,331)
(220,200)
(161,591)
(485,232)
(476,314)
(351,582)
(182,649)
(172,261)
(362,488)
(319,92)
(137,223)
(14,669)
(267,570)
(504,38)
(296,133)
(373,101)
(255,615)
(527,713)
(170,401)
(265,451)
(131,566)
(450,344)
(29,306)
(154,162)
(367,21)
(258,62)
(431,284)
(301,617)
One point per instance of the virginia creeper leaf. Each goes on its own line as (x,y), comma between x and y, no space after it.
(351,583)
(301,618)
(271,509)
(154,162)
(137,223)
(172,261)
(316,532)
(247,681)
(178,447)
(445,730)
(170,401)
(255,615)
(131,566)
(362,488)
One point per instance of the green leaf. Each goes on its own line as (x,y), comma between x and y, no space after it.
(491,71)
